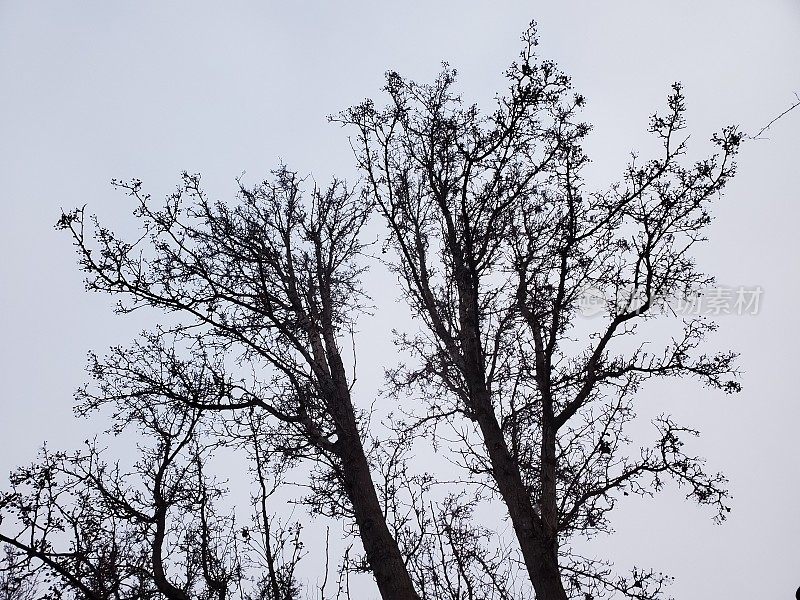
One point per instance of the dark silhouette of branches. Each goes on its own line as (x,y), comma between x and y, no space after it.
(16,581)
(759,134)
(92,529)
(267,288)
(496,240)
(79,526)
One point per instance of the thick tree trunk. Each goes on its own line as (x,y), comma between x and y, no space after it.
(536,534)
(538,546)
(157,555)
(547,583)
(381,548)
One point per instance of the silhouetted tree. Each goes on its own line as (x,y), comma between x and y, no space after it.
(497,238)
(16,582)
(272,282)
(76,526)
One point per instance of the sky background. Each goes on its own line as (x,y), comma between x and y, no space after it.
(91,91)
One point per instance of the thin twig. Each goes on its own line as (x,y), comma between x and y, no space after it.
(773,121)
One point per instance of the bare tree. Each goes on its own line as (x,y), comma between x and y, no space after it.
(89,529)
(76,526)
(497,238)
(269,541)
(16,581)
(496,241)
(263,293)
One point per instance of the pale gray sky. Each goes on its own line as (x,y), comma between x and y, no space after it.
(95,90)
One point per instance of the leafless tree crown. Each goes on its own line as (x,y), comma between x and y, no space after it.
(494,236)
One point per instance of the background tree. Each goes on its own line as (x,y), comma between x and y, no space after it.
(77,526)
(16,583)
(97,531)
(497,239)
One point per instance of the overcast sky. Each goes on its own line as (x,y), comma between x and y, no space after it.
(95,90)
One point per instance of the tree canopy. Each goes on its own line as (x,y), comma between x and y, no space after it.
(494,237)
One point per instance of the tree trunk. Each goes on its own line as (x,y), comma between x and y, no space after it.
(538,547)
(157,553)
(537,536)
(383,554)
(547,583)
(381,548)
